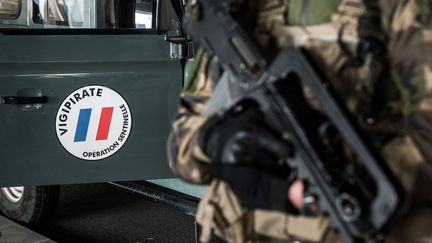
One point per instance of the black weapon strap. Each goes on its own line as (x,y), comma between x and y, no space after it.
(372,54)
(178,7)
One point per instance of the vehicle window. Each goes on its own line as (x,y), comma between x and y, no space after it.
(9,9)
(81,14)
(63,13)
(93,13)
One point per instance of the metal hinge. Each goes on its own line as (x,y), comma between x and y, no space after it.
(180,47)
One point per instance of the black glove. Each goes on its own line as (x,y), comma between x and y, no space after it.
(246,154)
(242,137)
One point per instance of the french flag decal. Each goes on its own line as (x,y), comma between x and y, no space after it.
(93,122)
(84,121)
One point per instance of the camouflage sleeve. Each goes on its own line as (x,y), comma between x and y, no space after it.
(187,160)
(409,28)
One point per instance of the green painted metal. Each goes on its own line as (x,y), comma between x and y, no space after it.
(138,67)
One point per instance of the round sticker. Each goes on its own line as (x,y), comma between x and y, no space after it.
(93,122)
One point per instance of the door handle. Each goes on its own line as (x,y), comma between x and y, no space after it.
(18,100)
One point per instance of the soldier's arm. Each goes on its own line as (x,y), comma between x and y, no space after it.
(410,49)
(187,159)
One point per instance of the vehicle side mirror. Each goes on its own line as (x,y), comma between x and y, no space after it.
(163,16)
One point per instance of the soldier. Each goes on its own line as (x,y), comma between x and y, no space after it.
(381,70)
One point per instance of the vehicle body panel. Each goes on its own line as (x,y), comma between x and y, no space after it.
(138,67)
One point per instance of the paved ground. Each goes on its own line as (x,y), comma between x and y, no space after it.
(11,232)
(97,213)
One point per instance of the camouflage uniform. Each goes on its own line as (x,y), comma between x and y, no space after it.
(331,39)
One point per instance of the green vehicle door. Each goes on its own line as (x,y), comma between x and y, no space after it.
(83,99)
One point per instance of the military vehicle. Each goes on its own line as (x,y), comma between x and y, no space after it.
(88,91)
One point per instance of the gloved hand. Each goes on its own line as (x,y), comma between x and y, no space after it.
(242,137)
(246,154)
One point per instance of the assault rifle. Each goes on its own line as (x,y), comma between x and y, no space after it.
(358,202)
